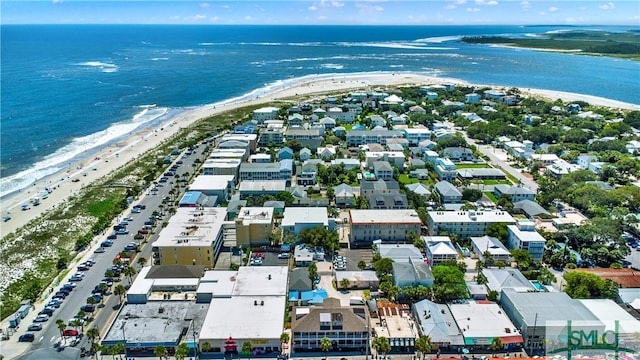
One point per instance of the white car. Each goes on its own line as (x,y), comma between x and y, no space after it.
(41,318)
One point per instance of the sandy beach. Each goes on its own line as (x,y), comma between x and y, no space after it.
(118,155)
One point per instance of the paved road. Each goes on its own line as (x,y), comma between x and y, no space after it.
(44,346)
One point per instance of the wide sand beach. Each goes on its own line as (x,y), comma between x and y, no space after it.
(117,155)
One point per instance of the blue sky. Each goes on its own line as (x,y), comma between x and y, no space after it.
(323,12)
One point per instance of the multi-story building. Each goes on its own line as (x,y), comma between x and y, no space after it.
(253,226)
(514,193)
(193,236)
(266,113)
(524,236)
(383,170)
(221,167)
(252,139)
(363,137)
(297,219)
(416,135)
(392,157)
(260,171)
(271,136)
(241,154)
(439,249)
(465,223)
(346,326)
(449,194)
(367,226)
(445,169)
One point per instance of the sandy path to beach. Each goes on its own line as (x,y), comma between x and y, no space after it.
(118,155)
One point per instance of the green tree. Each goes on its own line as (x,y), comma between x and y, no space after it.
(448,283)
(120,291)
(142,261)
(383,266)
(320,236)
(584,285)
(160,351)
(522,258)
(546,277)
(499,231)
(182,351)
(247,347)
(381,345)
(472,195)
(93,334)
(423,345)
(496,344)
(206,346)
(345,283)
(493,295)
(325,344)
(362,264)
(313,272)
(129,271)
(284,338)
(61,326)
(119,348)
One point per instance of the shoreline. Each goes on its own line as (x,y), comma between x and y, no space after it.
(117,154)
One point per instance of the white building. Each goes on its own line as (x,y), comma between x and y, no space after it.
(524,236)
(466,223)
(439,249)
(214,185)
(297,219)
(386,225)
(266,113)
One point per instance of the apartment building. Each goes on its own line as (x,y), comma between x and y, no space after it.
(363,137)
(524,236)
(253,226)
(386,225)
(465,223)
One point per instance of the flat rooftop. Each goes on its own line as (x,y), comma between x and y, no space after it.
(384,217)
(244,317)
(192,227)
(261,281)
(154,323)
(211,182)
(262,185)
(471,217)
(255,215)
(303,215)
(539,307)
(482,320)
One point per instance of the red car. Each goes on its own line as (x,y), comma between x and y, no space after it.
(70,332)
(143,231)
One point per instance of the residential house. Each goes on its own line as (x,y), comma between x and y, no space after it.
(439,249)
(249,188)
(295,120)
(436,321)
(326,153)
(633,146)
(349,164)
(344,195)
(393,200)
(383,170)
(448,193)
(561,167)
(271,136)
(328,122)
(339,131)
(221,167)
(286,170)
(585,160)
(445,169)
(285,153)
(412,273)
(480,174)
(514,193)
(529,208)
(305,154)
(472,98)
(524,236)
(458,153)
(420,189)
(346,326)
(508,278)
(308,176)
(260,158)
(417,109)
(489,246)
(311,138)
(379,186)
(364,279)
(546,159)
(299,280)
(393,157)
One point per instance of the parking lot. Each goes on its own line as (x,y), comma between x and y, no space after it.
(353,256)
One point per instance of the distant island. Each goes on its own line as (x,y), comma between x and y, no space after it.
(598,43)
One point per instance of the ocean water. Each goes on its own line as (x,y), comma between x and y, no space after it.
(68,90)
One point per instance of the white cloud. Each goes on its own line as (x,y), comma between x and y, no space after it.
(492,3)
(525,6)
(542,13)
(322,17)
(214,18)
(248,17)
(450,6)
(460,2)
(331,3)
(204,5)
(607,6)
(483,2)
(472,9)
(312,8)
(56,1)
(199,17)
(369,8)
(552,9)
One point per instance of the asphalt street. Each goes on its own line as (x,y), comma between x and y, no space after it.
(47,341)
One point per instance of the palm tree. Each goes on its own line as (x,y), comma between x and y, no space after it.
(61,326)
(96,347)
(362,264)
(119,348)
(76,323)
(313,272)
(129,271)
(326,345)
(160,351)
(345,283)
(381,345)
(93,334)
(284,338)
(423,344)
(120,291)
(496,344)
(206,346)
(247,348)
(182,351)
(142,261)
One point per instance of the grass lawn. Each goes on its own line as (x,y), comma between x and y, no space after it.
(406,180)
(472,166)
(492,182)
(491,196)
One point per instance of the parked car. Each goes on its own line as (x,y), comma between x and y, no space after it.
(88,308)
(112,236)
(122,231)
(82,267)
(41,318)
(107,243)
(26,338)
(143,231)
(150,222)
(54,304)
(283,256)
(140,206)
(99,250)
(127,219)
(76,277)
(69,285)
(69,332)
(47,311)
(35,327)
